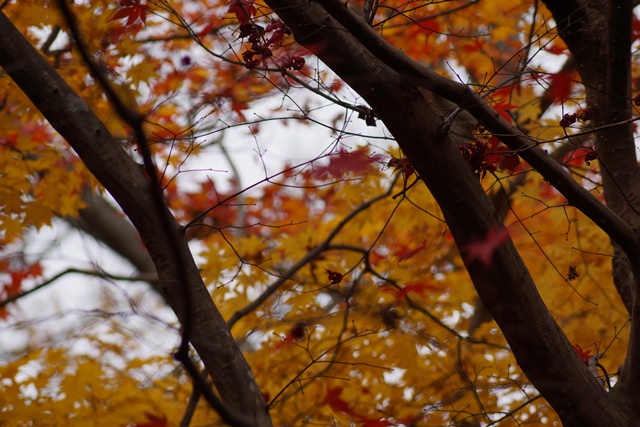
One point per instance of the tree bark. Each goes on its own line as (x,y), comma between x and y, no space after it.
(125,181)
(601,46)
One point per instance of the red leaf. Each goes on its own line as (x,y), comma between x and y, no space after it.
(276,38)
(584,355)
(484,249)
(366,422)
(559,87)
(475,46)
(510,162)
(635,28)
(33,271)
(502,107)
(420,288)
(153,421)
(132,11)
(579,155)
(243,9)
(405,254)
(400,164)
(337,403)
(343,162)
(334,277)
(294,334)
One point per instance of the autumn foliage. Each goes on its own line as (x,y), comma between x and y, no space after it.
(338,275)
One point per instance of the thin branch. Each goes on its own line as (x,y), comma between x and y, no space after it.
(141,277)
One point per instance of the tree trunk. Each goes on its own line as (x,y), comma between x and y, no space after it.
(394,86)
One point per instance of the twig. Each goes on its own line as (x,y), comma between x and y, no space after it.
(143,277)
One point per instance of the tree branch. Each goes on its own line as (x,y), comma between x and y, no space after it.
(144,277)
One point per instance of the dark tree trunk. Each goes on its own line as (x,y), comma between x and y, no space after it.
(408,99)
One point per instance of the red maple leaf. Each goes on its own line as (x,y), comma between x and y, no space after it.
(419,288)
(132,10)
(343,162)
(405,253)
(153,421)
(584,355)
(502,107)
(484,249)
(559,87)
(334,277)
(243,9)
(337,403)
(500,157)
(294,334)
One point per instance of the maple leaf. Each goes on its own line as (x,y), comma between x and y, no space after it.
(294,334)
(132,10)
(502,107)
(243,9)
(153,421)
(405,253)
(343,162)
(334,277)
(403,165)
(584,355)
(559,87)
(337,403)
(484,249)
(419,288)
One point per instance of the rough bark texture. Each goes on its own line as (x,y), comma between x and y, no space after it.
(395,86)
(124,180)
(601,46)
